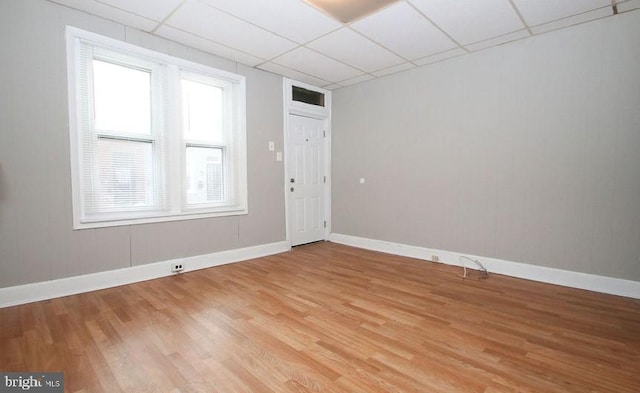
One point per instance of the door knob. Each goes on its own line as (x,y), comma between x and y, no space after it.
(291,189)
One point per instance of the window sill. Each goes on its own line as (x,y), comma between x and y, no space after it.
(105,223)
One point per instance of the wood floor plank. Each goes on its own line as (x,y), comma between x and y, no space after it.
(327,318)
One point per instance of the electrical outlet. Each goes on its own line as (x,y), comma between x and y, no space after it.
(177,267)
(435,258)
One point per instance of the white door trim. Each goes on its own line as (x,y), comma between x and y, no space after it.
(322,113)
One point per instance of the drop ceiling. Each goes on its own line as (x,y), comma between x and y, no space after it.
(294,39)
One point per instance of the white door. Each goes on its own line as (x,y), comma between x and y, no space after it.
(305,179)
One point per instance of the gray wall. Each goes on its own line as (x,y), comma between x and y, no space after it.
(528,152)
(37,242)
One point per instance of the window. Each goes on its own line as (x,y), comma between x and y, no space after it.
(153,137)
(311,97)
(305,99)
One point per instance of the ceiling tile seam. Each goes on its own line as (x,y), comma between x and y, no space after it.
(165,38)
(340,61)
(573,24)
(356,77)
(444,59)
(192,48)
(326,13)
(355,84)
(123,10)
(334,81)
(293,69)
(164,20)
(628,10)
(301,44)
(384,7)
(498,36)
(271,59)
(322,35)
(317,10)
(348,26)
(437,27)
(619,2)
(210,40)
(503,43)
(524,22)
(102,16)
(434,55)
(366,76)
(393,66)
(378,43)
(316,51)
(246,21)
(517,39)
(320,10)
(574,15)
(613,2)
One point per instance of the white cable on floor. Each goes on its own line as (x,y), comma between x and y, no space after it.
(485,272)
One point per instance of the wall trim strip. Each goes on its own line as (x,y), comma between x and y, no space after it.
(591,282)
(22,294)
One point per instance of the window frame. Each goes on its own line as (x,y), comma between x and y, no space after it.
(172,176)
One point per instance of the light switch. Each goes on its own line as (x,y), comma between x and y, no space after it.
(279,156)
(272,146)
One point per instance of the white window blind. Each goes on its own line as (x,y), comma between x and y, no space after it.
(153,137)
(206,145)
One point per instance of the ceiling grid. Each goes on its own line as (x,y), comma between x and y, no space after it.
(295,39)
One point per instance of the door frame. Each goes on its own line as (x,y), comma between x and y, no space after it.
(321,113)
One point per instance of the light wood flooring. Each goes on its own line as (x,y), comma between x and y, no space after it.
(330,318)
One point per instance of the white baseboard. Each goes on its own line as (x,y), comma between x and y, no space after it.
(591,282)
(28,293)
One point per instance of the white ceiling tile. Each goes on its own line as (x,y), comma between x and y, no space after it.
(573,20)
(394,69)
(207,22)
(313,63)
(356,80)
(293,19)
(355,50)
(469,21)
(152,9)
(536,12)
(628,5)
(441,56)
(498,40)
(402,29)
(111,13)
(332,86)
(281,70)
(207,46)
(268,34)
